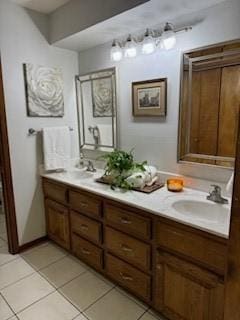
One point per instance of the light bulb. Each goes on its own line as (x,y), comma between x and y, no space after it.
(148,44)
(116,52)
(168,37)
(130,50)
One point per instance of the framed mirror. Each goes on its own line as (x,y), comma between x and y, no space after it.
(97,110)
(210,104)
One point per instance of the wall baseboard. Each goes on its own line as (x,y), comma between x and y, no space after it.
(32,244)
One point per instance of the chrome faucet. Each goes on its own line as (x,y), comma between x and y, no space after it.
(215,195)
(90,167)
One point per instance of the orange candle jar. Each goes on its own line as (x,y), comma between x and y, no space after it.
(175,185)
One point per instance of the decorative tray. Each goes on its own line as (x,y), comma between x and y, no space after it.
(147,189)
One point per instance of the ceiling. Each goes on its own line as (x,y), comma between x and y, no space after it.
(152,13)
(44,6)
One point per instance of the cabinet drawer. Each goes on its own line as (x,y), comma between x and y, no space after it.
(85,227)
(129,277)
(128,221)
(211,253)
(87,251)
(128,248)
(84,203)
(55,191)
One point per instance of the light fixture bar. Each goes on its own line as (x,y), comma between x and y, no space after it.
(149,42)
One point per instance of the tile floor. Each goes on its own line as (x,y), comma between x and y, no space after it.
(3,231)
(46,283)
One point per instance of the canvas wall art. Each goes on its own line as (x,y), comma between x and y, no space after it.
(44,91)
(102,90)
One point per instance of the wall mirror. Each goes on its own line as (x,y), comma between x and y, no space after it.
(97,110)
(209,104)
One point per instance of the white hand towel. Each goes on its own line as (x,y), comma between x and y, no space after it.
(56,148)
(150,173)
(105,133)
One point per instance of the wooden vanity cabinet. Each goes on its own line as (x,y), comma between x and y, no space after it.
(57,223)
(56,192)
(86,251)
(211,253)
(85,203)
(187,291)
(177,270)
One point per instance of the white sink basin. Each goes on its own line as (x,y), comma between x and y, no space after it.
(77,174)
(201,210)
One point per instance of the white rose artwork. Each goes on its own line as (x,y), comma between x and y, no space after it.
(44,91)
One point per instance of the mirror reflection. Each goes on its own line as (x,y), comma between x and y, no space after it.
(96,96)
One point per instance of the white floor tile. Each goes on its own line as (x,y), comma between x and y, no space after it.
(150,316)
(5,311)
(3,243)
(80,317)
(33,288)
(2,216)
(63,271)
(5,256)
(3,236)
(85,290)
(3,228)
(117,304)
(155,315)
(43,256)
(14,271)
(34,248)
(53,307)
(142,304)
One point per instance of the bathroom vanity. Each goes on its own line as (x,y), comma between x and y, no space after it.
(172,262)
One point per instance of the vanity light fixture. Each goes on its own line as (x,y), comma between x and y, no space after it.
(130,49)
(148,44)
(116,52)
(168,37)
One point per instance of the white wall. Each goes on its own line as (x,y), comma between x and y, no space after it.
(156,140)
(78,15)
(20,42)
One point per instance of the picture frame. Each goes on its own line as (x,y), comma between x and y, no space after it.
(149,98)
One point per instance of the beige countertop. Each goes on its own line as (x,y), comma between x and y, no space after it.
(206,215)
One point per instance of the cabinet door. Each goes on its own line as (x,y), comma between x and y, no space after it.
(187,292)
(57,223)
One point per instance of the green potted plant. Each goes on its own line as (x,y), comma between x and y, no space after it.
(119,166)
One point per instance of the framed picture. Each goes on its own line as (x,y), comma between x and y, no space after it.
(149,98)
(44,91)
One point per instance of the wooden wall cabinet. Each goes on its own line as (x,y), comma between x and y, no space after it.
(175,269)
(209,104)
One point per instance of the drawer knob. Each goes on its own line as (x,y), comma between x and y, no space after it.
(126,248)
(178,234)
(85,251)
(84,227)
(83,204)
(125,221)
(125,277)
